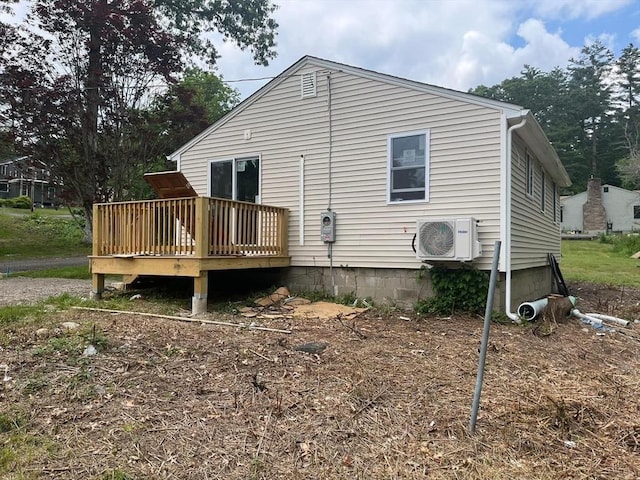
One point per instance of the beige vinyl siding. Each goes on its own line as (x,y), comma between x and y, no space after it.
(464,164)
(534,233)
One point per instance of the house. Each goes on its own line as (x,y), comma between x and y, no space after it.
(362,160)
(600,209)
(31,178)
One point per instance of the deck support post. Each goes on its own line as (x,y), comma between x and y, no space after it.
(97,286)
(200,293)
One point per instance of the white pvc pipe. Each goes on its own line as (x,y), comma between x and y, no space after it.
(507,219)
(586,318)
(608,318)
(530,310)
(301,203)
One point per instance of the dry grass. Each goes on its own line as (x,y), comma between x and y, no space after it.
(387,399)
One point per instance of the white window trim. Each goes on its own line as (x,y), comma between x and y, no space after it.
(427,161)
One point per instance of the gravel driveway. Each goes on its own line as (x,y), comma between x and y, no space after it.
(15,289)
(23,290)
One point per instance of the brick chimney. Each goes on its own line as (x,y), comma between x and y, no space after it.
(594,216)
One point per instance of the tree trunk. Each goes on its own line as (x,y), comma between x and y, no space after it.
(90,128)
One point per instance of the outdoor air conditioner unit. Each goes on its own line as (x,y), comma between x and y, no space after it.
(447,239)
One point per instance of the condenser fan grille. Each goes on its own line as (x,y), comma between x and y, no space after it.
(437,239)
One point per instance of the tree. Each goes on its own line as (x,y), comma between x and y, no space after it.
(74,74)
(546,95)
(628,114)
(628,69)
(590,95)
(171,120)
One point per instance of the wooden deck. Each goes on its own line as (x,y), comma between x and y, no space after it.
(186,237)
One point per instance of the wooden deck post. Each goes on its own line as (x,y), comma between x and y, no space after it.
(201,283)
(283,233)
(97,279)
(202,227)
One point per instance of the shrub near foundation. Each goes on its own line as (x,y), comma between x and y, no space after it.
(460,290)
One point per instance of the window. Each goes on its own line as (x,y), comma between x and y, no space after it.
(606,189)
(555,203)
(3,170)
(4,187)
(561,214)
(408,167)
(529,175)
(236,179)
(543,190)
(636,212)
(24,189)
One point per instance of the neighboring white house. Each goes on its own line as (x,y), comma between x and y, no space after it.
(381,153)
(619,210)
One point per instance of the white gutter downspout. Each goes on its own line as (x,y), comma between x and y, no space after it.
(507,209)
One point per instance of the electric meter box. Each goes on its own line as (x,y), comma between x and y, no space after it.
(328,227)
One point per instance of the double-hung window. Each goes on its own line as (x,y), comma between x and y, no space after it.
(555,202)
(529,174)
(543,190)
(408,167)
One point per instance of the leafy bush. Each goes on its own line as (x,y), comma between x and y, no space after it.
(625,245)
(462,290)
(22,202)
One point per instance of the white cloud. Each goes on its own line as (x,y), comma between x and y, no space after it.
(572,9)
(455,44)
(452,43)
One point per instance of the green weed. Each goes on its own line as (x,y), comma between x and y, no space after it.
(67,345)
(116,475)
(19,314)
(10,421)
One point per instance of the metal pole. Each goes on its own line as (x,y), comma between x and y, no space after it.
(485,336)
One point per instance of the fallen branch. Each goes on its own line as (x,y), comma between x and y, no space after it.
(185,319)
(358,333)
(262,356)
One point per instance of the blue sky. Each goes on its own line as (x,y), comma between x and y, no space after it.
(456,44)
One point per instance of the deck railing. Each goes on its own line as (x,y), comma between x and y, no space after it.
(200,227)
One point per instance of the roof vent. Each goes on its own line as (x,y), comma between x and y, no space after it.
(308,85)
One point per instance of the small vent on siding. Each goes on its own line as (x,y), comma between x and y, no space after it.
(308,85)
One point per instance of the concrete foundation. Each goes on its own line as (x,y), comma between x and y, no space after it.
(403,287)
(198,305)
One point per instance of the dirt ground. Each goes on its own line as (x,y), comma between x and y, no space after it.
(387,395)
